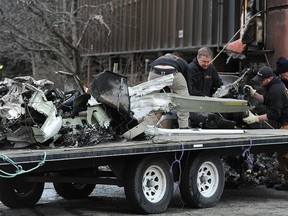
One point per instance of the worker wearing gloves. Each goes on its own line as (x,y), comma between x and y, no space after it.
(276,100)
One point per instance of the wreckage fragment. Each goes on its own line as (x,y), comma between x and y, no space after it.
(141,106)
(111,88)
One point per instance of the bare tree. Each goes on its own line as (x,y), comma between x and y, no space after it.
(51,32)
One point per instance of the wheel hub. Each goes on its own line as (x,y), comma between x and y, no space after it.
(154,184)
(207,179)
(150,183)
(203,179)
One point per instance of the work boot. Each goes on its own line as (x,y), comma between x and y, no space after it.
(283,187)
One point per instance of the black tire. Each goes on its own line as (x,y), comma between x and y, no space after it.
(149,185)
(14,193)
(203,181)
(73,190)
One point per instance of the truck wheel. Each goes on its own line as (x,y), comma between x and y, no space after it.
(149,185)
(73,190)
(14,193)
(203,181)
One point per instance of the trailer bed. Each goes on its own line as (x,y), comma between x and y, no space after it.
(253,138)
(144,168)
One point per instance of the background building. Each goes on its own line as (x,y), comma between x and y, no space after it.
(142,30)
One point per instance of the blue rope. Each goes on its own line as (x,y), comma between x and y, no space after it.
(19,168)
(247,154)
(178,161)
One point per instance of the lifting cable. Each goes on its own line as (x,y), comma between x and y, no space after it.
(19,168)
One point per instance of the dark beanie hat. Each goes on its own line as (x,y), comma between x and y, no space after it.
(282,65)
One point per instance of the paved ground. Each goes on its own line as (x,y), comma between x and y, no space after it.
(110,200)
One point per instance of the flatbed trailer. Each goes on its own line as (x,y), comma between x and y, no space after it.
(147,169)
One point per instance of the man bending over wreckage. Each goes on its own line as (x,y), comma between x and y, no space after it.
(171,63)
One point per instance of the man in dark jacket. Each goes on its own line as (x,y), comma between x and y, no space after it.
(202,77)
(175,59)
(282,69)
(276,100)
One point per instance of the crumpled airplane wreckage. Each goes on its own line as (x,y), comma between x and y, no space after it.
(35,112)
